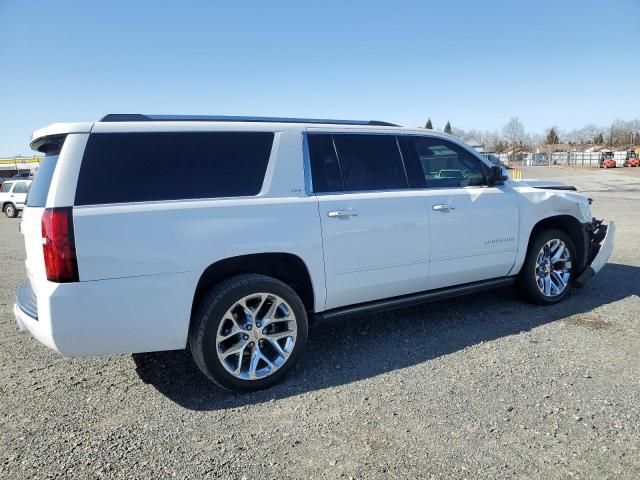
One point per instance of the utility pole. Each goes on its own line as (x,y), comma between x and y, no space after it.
(611,137)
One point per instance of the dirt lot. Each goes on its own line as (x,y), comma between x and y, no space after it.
(477,387)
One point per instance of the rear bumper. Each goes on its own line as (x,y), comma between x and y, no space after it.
(38,330)
(106,317)
(26,300)
(602,248)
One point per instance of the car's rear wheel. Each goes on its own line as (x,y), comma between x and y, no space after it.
(10,210)
(248,332)
(548,269)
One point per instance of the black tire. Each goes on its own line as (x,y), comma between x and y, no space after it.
(10,210)
(527,278)
(210,313)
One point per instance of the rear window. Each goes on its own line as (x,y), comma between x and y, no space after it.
(358,162)
(139,167)
(370,162)
(21,187)
(325,169)
(42,181)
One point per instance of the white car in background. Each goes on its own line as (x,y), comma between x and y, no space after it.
(13,195)
(230,232)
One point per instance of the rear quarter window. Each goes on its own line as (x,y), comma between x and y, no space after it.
(42,182)
(139,167)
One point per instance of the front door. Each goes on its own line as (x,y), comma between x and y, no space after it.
(474,234)
(473,227)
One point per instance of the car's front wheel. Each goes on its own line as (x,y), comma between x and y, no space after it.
(548,269)
(10,211)
(248,332)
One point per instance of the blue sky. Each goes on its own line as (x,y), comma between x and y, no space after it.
(475,63)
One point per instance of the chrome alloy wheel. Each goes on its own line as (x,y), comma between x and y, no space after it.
(553,268)
(256,336)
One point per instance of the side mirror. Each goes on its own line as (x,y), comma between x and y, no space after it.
(496,176)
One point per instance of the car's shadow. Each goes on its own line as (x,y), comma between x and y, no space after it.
(348,350)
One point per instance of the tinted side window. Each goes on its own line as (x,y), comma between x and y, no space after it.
(325,169)
(138,167)
(21,187)
(445,164)
(370,162)
(6,187)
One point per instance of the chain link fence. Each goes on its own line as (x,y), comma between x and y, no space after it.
(527,159)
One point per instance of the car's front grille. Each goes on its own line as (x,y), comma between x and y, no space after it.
(26,300)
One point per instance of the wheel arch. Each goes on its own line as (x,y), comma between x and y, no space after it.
(572,227)
(286,267)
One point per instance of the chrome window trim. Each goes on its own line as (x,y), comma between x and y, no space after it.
(413,189)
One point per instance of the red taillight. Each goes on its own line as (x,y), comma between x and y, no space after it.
(59,246)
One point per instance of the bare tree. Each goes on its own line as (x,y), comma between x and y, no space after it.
(621,131)
(585,134)
(491,139)
(514,133)
(488,139)
(621,134)
(535,139)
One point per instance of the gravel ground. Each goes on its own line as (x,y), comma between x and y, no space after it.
(476,387)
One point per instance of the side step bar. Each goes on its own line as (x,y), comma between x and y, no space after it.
(415,298)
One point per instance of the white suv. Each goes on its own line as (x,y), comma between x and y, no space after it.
(226,234)
(13,194)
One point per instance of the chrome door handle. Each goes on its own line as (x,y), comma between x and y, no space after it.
(342,214)
(443,207)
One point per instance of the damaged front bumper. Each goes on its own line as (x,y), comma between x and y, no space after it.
(601,247)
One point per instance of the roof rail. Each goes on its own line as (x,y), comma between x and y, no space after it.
(138,117)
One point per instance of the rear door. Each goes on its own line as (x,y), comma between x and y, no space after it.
(375,231)
(474,227)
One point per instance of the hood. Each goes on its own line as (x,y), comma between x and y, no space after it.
(542,183)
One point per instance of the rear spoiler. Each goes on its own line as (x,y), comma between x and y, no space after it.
(41,140)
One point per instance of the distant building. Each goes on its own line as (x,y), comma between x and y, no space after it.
(10,166)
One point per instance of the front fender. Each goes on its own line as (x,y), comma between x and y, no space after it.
(539,206)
